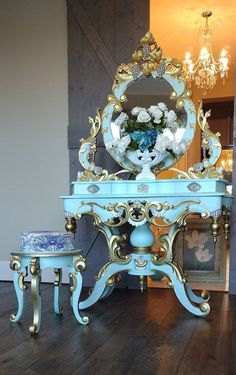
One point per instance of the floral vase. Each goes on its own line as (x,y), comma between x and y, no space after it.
(146,160)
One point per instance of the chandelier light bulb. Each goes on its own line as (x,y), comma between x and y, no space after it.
(206,69)
(223,53)
(188,55)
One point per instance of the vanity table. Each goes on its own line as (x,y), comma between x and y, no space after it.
(148,200)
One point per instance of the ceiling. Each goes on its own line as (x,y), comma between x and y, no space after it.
(175,26)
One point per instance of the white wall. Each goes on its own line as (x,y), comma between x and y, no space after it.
(34,166)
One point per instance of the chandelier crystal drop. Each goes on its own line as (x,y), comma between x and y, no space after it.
(205,71)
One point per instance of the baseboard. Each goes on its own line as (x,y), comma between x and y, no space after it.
(48,276)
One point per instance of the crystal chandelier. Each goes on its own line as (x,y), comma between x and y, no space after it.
(205,70)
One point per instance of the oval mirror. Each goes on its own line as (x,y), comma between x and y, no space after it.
(149,121)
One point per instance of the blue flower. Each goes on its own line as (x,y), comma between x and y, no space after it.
(144,139)
(145,142)
(137,135)
(152,133)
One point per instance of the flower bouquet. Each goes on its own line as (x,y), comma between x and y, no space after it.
(147,136)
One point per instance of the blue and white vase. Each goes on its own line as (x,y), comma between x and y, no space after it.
(146,159)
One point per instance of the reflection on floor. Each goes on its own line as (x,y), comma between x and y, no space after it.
(129,333)
(197,285)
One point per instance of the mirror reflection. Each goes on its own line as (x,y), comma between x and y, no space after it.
(149,120)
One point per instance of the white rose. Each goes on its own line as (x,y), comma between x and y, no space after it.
(179,147)
(123,143)
(121,119)
(171,117)
(156,113)
(173,126)
(167,133)
(97,171)
(152,109)
(162,106)
(157,121)
(143,116)
(135,111)
(159,146)
(162,143)
(109,145)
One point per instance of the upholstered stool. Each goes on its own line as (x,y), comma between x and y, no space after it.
(42,250)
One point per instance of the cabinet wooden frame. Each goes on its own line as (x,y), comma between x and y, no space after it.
(204,273)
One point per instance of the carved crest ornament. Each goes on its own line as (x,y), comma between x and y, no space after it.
(149,61)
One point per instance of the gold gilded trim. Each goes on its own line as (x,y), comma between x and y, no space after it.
(58,276)
(102,271)
(79,263)
(115,279)
(35,283)
(71,225)
(141,212)
(87,154)
(215,228)
(148,58)
(34,266)
(15,265)
(41,255)
(21,281)
(141,250)
(74,282)
(205,295)
(15,262)
(226,225)
(211,147)
(205,307)
(115,243)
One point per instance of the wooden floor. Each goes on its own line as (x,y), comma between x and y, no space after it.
(129,333)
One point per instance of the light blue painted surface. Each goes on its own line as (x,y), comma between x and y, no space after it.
(207,201)
(20,295)
(49,261)
(119,91)
(142,236)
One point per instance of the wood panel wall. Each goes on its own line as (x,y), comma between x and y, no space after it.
(232,270)
(101,35)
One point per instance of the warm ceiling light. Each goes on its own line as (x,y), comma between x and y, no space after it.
(205,70)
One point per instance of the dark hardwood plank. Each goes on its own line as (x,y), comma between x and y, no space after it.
(129,333)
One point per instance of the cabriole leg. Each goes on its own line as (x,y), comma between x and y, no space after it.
(107,292)
(178,282)
(75,276)
(205,295)
(57,283)
(36,298)
(106,278)
(19,274)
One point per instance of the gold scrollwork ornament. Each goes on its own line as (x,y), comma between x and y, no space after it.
(34,266)
(79,263)
(15,265)
(113,280)
(211,147)
(87,155)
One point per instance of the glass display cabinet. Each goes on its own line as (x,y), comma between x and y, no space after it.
(147,125)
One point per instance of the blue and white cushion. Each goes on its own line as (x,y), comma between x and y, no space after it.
(44,242)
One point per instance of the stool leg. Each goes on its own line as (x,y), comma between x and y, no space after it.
(75,276)
(20,287)
(57,283)
(35,283)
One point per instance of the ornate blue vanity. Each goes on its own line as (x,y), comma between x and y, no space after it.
(145,142)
